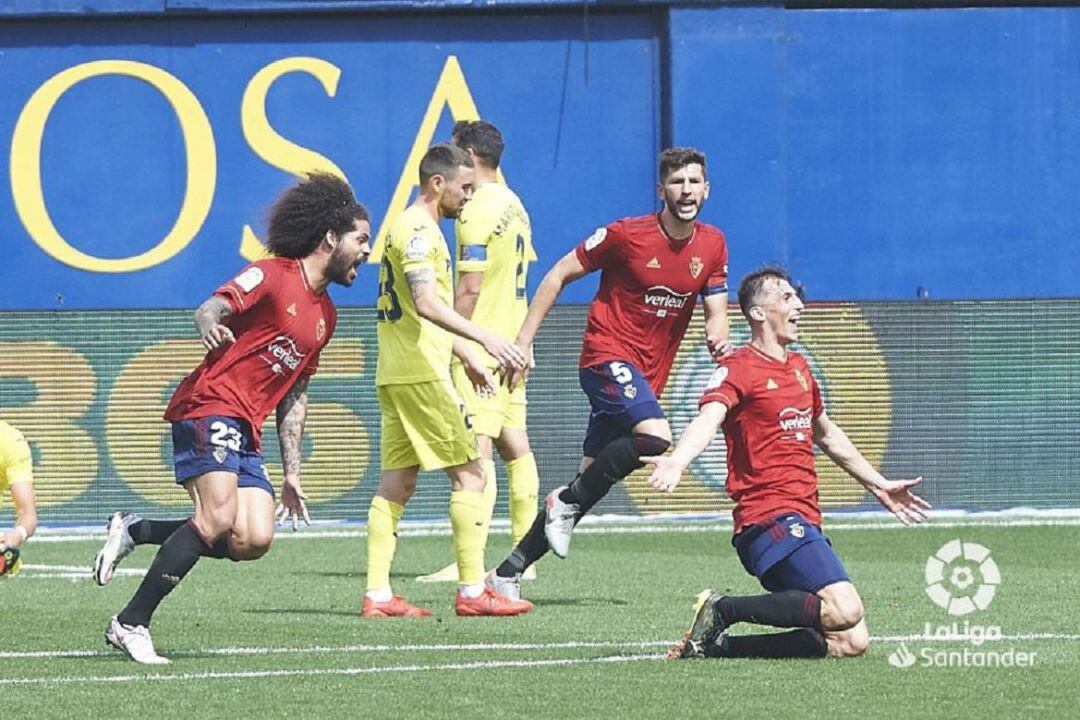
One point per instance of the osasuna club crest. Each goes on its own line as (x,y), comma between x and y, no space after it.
(320,329)
(696,266)
(801,379)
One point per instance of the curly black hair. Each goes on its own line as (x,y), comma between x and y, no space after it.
(301,216)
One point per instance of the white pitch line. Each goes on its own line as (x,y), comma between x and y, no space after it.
(919,637)
(328,649)
(80,569)
(233,651)
(697,527)
(250,674)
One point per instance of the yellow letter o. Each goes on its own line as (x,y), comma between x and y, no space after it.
(26,184)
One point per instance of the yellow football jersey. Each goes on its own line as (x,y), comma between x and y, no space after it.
(15,462)
(412,349)
(494,237)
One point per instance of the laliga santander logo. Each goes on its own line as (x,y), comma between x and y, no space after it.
(961,578)
(951,575)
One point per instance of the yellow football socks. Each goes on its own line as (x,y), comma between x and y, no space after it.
(383,517)
(469,522)
(524,481)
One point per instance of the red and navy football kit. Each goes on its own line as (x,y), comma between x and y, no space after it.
(771,406)
(281,324)
(649,284)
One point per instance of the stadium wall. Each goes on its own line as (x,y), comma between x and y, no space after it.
(979,398)
(882,154)
(875,151)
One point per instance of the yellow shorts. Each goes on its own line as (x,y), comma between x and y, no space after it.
(424,424)
(490,415)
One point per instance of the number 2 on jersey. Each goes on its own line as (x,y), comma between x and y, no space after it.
(521,267)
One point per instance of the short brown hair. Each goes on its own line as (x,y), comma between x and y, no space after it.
(443,159)
(753,285)
(677,158)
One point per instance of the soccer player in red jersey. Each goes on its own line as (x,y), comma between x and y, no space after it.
(263,331)
(652,268)
(769,405)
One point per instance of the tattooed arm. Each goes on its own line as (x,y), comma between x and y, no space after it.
(208,320)
(430,307)
(291,414)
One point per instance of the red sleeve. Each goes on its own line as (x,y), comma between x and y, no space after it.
(603,248)
(251,285)
(313,365)
(718,276)
(819,405)
(727,385)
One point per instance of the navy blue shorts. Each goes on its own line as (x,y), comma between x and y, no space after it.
(214,444)
(789,553)
(620,397)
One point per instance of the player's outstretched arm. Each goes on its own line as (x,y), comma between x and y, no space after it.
(668,469)
(208,319)
(430,307)
(894,495)
(717,327)
(291,415)
(564,272)
(22,497)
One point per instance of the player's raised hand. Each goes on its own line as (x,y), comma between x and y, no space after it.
(215,336)
(666,474)
(293,504)
(506,353)
(897,498)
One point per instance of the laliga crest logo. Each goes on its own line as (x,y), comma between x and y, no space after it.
(951,576)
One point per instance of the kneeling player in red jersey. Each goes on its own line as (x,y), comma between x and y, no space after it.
(769,405)
(263,331)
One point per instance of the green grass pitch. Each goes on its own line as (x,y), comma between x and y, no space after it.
(282,637)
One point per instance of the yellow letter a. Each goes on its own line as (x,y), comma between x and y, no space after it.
(451,90)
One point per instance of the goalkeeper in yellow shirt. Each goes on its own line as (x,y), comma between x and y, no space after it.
(16,475)
(494,247)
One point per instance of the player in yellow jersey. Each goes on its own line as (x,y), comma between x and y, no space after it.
(494,246)
(16,476)
(424,424)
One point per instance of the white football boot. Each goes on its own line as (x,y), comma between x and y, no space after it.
(118,545)
(135,642)
(507,587)
(559,522)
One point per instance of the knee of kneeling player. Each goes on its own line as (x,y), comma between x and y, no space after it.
(851,643)
(842,612)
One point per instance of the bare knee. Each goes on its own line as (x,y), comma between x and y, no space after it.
(513,444)
(398,488)
(214,522)
(250,546)
(853,642)
(841,607)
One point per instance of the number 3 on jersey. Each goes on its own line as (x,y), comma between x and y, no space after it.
(386,289)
